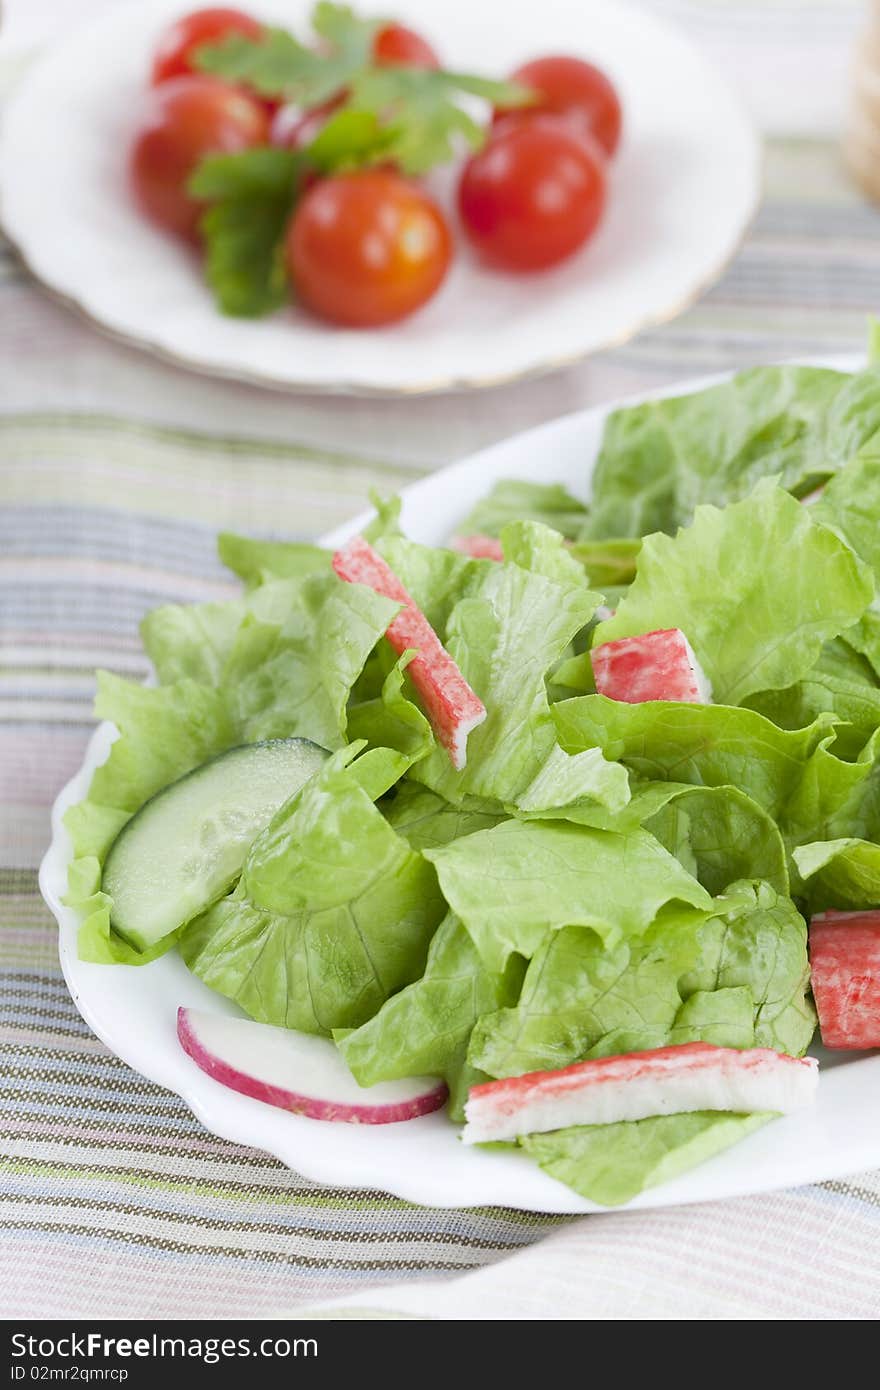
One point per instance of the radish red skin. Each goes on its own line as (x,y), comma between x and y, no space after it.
(452,707)
(604,1090)
(651,666)
(312,1107)
(845,968)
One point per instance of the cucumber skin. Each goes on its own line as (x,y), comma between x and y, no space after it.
(131,934)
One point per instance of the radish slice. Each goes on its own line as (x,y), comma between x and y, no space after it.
(667,1081)
(845,968)
(297,1072)
(479,547)
(653,666)
(450,704)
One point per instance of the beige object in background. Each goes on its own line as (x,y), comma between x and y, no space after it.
(861,146)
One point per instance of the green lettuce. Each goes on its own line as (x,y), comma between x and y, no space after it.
(293,679)
(513,884)
(608,562)
(662,459)
(512,500)
(426,820)
(392,720)
(790,585)
(704,745)
(719,834)
(850,505)
(257,561)
(334,911)
(842,873)
(569,780)
(855,703)
(610,1164)
(424,1030)
(164,732)
(738,978)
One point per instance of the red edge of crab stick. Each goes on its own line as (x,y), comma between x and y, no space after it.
(450,704)
(845,969)
(479,547)
(665,1081)
(651,666)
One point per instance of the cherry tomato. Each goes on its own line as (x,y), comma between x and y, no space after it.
(367,248)
(578,92)
(177,46)
(533,195)
(395,45)
(294,127)
(184,120)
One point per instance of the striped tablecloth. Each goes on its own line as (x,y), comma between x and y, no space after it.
(115,473)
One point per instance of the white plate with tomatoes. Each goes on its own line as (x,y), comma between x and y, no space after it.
(401,286)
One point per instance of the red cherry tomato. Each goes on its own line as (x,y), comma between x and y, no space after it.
(395,45)
(177,45)
(533,195)
(367,248)
(294,127)
(578,92)
(184,120)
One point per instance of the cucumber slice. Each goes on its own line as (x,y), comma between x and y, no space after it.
(186,846)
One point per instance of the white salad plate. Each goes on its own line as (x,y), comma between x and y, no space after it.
(133,1008)
(683,189)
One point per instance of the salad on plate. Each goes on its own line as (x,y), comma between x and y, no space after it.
(570,825)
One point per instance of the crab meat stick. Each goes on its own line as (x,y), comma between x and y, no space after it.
(666,1081)
(479,547)
(845,968)
(450,704)
(653,666)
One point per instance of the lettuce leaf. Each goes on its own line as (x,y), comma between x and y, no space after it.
(426,821)
(704,745)
(424,1030)
(790,585)
(842,873)
(569,780)
(610,1164)
(737,979)
(512,500)
(164,732)
(855,703)
(292,679)
(257,561)
(334,911)
(662,459)
(720,835)
(392,720)
(513,884)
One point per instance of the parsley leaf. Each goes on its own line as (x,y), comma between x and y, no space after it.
(278,65)
(418,107)
(252,194)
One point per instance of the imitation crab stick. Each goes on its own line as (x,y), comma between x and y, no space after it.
(450,704)
(845,969)
(652,666)
(479,547)
(666,1081)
